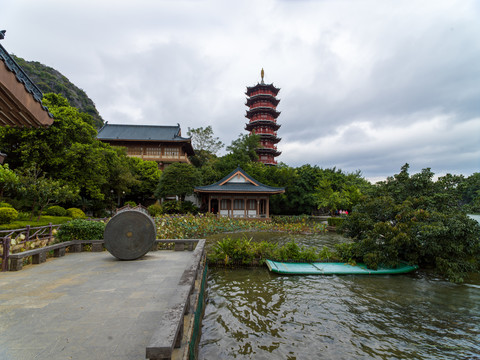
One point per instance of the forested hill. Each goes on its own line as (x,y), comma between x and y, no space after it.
(50,80)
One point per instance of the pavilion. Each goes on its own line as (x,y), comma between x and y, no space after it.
(238,195)
(163,144)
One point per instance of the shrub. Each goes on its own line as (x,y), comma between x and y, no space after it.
(56,210)
(245,251)
(171,207)
(5,205)
(81,229)
(130,203)
(155,209)
(335,221)
(76,213)
(187,207)
(347,251)
(23,216)
(290,251)
(7,215)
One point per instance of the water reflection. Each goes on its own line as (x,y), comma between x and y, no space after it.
(253,314)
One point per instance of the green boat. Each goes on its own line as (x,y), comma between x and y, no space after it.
(334,269)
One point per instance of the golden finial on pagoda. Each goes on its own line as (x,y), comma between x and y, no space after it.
(262,73)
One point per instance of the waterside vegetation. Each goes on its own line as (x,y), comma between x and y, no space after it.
(407,217)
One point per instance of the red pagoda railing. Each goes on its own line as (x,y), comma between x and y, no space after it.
(268,146)
(263,117)
(259,131)
(262,92)
(262,104)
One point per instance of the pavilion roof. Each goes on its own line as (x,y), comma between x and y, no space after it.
(146,133)
(20,99)
(238,181)
(140,132)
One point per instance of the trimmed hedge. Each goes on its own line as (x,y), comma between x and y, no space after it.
(335,221)
(81,229)
(7,215)
(5,205)
(76,213)
(56,210)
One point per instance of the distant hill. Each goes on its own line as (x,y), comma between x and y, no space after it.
(50,80)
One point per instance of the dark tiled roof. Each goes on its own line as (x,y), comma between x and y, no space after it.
(140,132)
(252,186)
(262,85)
(22,77)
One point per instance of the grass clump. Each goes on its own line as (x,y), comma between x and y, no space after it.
(245,251)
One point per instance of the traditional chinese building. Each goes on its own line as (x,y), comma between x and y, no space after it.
(262,115)
(238,195)
(163,144)
(20,99)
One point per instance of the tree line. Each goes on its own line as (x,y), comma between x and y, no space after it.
(95,176)
(414,218)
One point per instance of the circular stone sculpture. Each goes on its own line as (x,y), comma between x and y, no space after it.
(130,234)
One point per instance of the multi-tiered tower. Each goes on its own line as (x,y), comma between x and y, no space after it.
(262,114)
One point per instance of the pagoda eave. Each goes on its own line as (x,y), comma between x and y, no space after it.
(259,86)
(262,109)
(270,137)
(267,97)
(268,151)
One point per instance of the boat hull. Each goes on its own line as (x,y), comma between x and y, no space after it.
(334,269)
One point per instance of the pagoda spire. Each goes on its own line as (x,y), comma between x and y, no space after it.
(262,74)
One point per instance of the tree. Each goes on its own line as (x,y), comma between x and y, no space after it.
(406,218)
(148,175)
(470,190)
(46,147)
(245,147)
(203,140)
(336,190)
(178,179)
(68,151)
(8,179)
(242,151)
(40,191)
(206,146)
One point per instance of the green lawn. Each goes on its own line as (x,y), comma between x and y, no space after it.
(44,220)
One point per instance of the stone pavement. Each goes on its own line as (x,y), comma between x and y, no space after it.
(86,305)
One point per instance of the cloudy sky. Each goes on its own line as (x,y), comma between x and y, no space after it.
(365,84)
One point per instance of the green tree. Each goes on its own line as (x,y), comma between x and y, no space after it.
(148,175)
(41,192)
(204,140)
(470,190)
(407,218)
(68,151)
(245,147)
(46,147)
(8,179)
(178,179)
(337,190)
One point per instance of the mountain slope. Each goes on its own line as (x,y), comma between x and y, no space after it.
(50,80)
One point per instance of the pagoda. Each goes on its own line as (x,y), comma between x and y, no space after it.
(262,115)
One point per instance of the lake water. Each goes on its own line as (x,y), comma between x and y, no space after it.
(254,314)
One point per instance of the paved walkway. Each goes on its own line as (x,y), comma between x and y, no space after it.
(86,306)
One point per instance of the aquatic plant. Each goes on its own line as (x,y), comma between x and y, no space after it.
(197,226)
(232,251)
